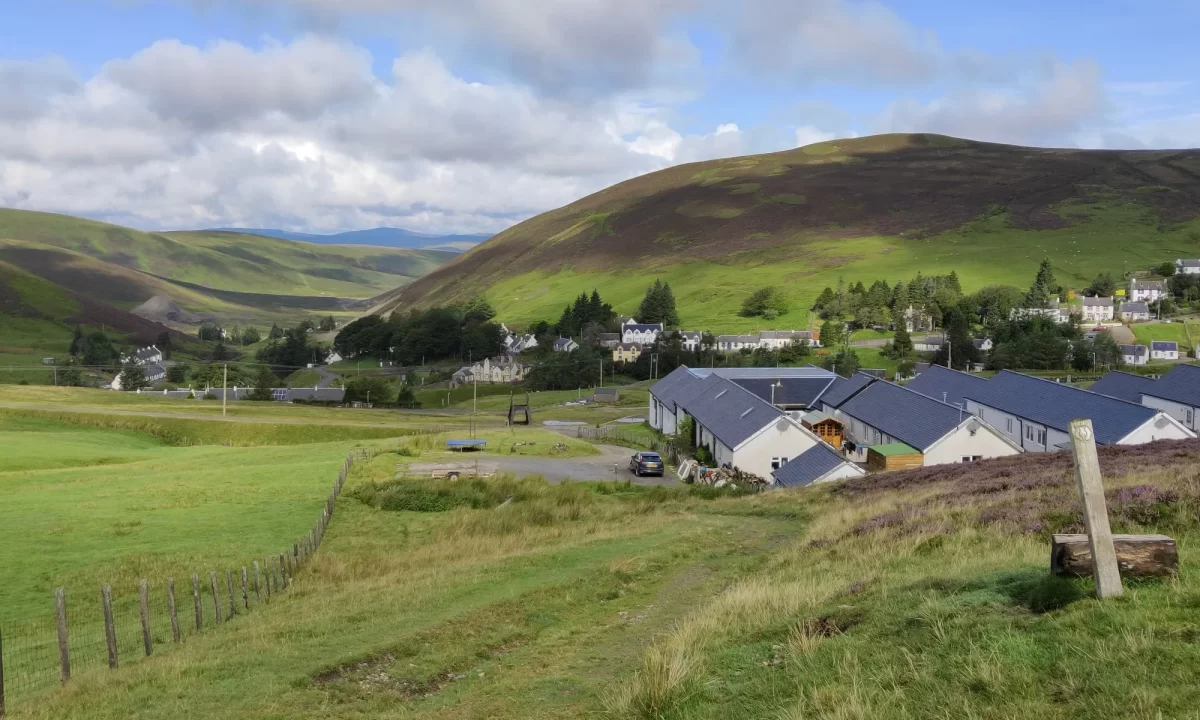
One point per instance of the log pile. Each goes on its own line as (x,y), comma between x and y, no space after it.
(1137,555)
(722,477)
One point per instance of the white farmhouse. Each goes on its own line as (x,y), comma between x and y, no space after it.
(1147,290)
(1135,354)
(1185,266)
(1036,412)
(640,333)
(1097,309)
(1135,311)
(734,343)
(1164,350)
(779,339)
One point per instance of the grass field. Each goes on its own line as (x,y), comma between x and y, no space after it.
(1147,333)
(904,596)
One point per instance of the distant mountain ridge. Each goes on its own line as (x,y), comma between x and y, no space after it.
(381,236)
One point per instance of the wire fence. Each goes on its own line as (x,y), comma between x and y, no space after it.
(118,624)
(670,450)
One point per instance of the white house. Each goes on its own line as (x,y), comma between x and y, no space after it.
(144,356)
(779,339)
(1055,311)
(1035,413)
(154,373)
(1135,354)
(1164,350)
(1185,266)
(1097,309)
(493,371)
(332,357)
(689,340)
(1135,311)
(1178,394)
(983,344)
(640,333)
(1147,290)
(565,345)
(884,413)
(930,344)
(743,431)
(917,319)
(734,343)
(818,464)
(521,343)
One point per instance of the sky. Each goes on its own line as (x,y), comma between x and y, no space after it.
(471,115)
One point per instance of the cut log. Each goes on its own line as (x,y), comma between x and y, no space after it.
(1137,555)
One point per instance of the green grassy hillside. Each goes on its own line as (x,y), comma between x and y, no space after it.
(226,275)
(879,207)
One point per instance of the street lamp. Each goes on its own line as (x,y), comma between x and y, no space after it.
(776,384)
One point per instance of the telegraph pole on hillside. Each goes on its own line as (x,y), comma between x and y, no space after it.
(224,390)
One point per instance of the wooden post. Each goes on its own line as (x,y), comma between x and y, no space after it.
(216,595)
(268,573)
(1,674)
(282,573)
(257,585)
(64,647)
(196,601)
(229,585)
(1095,511)
(110,628)
(144,613)
(245,591)
(171,610)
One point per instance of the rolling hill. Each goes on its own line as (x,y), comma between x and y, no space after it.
(886,206)
(383,236)
(222,274)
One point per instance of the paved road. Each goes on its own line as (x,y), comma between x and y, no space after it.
(327,377)
(611,464)
(916,337)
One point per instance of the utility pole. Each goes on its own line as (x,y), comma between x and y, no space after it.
(224,390)
(601,372)
(474,394)
(949,352)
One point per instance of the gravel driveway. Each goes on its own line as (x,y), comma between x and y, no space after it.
(611,464)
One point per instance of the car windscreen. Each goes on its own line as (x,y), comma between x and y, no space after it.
(650,456)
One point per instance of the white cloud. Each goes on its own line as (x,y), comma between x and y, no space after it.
(1053,109)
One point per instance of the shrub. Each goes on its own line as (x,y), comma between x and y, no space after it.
(766,303)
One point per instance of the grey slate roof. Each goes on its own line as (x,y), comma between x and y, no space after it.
(642,327)
(1055,405)
(910,417)
(795,391)
(844,388)
(734,373)
(730,412)
(1164,345)
(1181,385)
(1134,350)
(670,386)
(1122,386)
(1187,262)
(144,354)
(1097,301)
(808,467)
(1135,308)
(942,383)
(1148,284)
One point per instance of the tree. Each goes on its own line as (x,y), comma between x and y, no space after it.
(264,385)
(71,376)
(276,332)
(844,362)
(1166,269)
(1043,287)
(220,353)
(478,309)
(960,348)
(251,336)
(406,397)
(369,388)
(209,332)
(164,344)
(177,373)
(833,333)
(658,306)
(766,302)
(327,324)
(98,350)
(133,377)
(77,342)
(902,345)
(1103,285)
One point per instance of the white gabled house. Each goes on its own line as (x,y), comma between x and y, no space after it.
(1035,413)
(1164,350)
(1134,311)
(818,464)
(883,413)
(1097,309)
(1055,312)
(640,333)
(1134,354)
(1187,266)
(1147,290)
(743,431)
(565,345)
(1178,394)
(779,339)
(735,343)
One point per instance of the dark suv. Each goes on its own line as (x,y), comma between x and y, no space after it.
(646,463)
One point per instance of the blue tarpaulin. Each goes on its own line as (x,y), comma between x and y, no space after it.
(466,444)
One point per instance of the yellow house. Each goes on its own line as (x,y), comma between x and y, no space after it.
(626,352)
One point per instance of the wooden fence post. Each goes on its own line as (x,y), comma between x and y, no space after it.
(110,628)
(283,572)
(216,595)
(257,586)
(268,573)
(229,585)
(171,610)
(1095,510)
(64,647)
(1,674)
(144,614)
(196,601)
(245,590)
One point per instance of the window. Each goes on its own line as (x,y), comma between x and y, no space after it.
(1009,423)
(971,458)
(778,462)
(1190,415)
(1028,432)
(1041,437)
